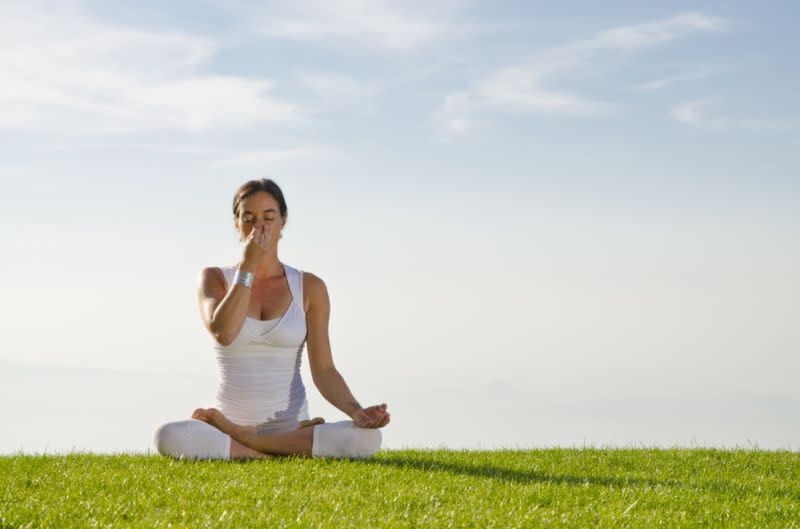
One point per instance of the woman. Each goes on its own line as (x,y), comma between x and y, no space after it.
(261,313)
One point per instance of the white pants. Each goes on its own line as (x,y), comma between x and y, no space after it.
(196,439)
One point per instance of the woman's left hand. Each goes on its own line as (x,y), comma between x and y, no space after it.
(372,417)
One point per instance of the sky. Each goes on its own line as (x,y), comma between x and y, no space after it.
(563,225)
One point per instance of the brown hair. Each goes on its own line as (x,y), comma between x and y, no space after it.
(254,186)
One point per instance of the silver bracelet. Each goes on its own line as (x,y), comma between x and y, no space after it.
(244,278)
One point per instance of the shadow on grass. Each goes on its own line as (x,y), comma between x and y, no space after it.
(484,470)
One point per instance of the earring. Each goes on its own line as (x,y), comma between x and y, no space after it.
(280,236)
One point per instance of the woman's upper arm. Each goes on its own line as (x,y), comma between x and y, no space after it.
(319,311)
(210,292)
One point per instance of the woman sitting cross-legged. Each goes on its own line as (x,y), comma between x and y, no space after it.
(261,313)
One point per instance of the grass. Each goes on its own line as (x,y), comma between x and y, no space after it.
(552,487)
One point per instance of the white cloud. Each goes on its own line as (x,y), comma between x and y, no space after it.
(334,90)
(520,89)
(261,158)
(648,34)
(450,114)
(219,157)
(699,113)
(10,173)
(67,72)
(658,84)
(158,147)
(528,87)
(689,112)
(366,25)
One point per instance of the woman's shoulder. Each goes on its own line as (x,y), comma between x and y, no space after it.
(314,287)
(220,273)
(311,279)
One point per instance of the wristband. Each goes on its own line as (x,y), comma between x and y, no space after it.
(244,278)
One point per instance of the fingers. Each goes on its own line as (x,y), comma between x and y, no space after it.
(380,422)
(261,235)
(254,233)
(377,416)
(372,417)
(373,423)
(200,415)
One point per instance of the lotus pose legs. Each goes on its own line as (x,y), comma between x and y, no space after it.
(312,438)
(297,441)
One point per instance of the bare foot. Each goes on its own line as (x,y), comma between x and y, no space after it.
(215,418)
(310,422)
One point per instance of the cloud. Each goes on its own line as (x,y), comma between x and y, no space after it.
(260,158)
(649,34)
(364,25)
(658,84)
(334,91)
(521,89)
(699,113)
(451,114)
(129,146)
(529,87)
(689,112)
(10,173)
(219,157)
(65,71)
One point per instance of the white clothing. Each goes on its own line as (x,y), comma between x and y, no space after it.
(192,439)
(259,372)
(195,439)
(345,440)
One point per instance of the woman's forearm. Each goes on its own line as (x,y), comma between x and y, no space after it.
(334,389)
(228,318)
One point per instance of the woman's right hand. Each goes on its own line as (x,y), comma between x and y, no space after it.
(256,245)
(372,417)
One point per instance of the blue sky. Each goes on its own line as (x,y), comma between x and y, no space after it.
(508,202)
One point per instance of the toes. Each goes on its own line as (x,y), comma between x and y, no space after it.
(201,415)
(310,422)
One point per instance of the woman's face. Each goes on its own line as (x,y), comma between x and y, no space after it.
(255,211)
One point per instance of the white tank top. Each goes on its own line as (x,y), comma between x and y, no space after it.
(259,372)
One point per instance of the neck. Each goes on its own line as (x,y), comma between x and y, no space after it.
(269,268)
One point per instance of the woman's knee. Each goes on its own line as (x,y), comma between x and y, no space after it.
(191,439)
(345,439)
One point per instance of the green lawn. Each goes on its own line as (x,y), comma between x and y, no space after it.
(553,487)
